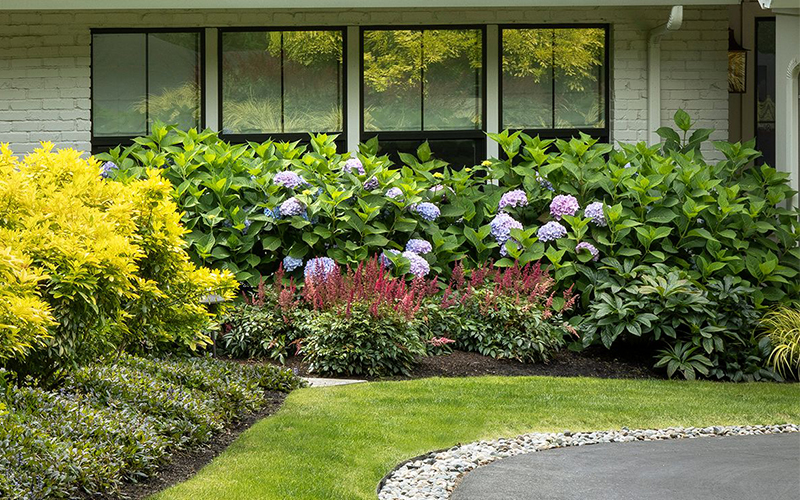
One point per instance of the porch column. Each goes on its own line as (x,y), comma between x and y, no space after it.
(787,122)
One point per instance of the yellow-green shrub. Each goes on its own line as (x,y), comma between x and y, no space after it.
(108,259)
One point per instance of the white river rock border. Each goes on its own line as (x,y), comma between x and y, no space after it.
(434,476)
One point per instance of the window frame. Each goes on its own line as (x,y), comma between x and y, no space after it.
(478,135)
(303,137)
(99,144)
(602,133)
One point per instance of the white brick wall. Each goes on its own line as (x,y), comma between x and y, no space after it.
(45,60)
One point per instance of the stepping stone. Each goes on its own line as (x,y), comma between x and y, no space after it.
(330,382)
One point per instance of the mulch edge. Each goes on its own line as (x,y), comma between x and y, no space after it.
(184,464)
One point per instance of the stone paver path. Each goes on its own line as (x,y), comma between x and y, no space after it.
(330,382)
(726,468)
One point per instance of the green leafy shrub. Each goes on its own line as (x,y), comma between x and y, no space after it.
(782,331)
(118,422)
(501,313)
(107,259)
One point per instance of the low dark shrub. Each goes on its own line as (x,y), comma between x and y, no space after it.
(114,422)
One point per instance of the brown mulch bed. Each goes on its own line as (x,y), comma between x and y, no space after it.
(593,362)
(184,464)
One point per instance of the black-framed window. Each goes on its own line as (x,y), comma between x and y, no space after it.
(281,83)
(554,80)
(765,89)
(143,76)
(425,83)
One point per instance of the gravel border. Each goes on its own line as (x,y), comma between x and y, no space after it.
(433,476)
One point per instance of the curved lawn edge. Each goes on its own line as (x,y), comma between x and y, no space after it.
(339,442)
(434,475)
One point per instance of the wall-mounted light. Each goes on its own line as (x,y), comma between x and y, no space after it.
(737,65)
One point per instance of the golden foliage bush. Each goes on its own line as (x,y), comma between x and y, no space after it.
(94,266)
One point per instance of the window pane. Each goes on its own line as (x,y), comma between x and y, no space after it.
(275,82)
(765,90)
(554,78)
(173,62)
(392,80)
(457,152)
(312,81)
(527,78)
(118,84)
(453,79)
(578,62)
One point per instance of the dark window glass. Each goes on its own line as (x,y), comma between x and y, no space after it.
(282,82)
(141,78)
(554,79)
(423,84)
(765,89)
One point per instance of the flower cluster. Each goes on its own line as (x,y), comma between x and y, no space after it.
(563,204)
(353,166)
(440,341)
(515,198)
(394,193)
(418,246)
(371,184)
(288,179)
(544,182)
(385,261)
(418,266)
(551,231)
(291,263)
(594,211)
(292,207)
(501,227)
(588,247)
(428,211)
(246,224)
(319,268)
(275,213)
(107,168)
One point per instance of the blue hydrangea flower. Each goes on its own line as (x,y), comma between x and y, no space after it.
(418,246)
(501,227)
(227,223)
(107,168)
(551,231)
(515,198)
(385,260)
(594,211)
(563,204)
(318,268)
(418,266)
(247,224)
(588,247)
(354,166)
(371,184)
(292,207)
(394,193)
(291,263)
(544,182)
(288,179)
(428,211)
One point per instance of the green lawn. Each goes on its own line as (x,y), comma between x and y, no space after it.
(337,443)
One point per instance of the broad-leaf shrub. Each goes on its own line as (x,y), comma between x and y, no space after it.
(120,422)
(107,259)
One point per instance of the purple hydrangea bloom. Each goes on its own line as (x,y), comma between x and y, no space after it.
(588,246)
(418,246)
(385,260)
(544,183)
(594,211)
(288,179)
(291,263)
(428,211)
(551,231)
(371,184)
(418,266)
(319,268)
(563,204)
(515,198)
(354,166)
(292,207)
(501,227)
(394,193)
(107,168)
